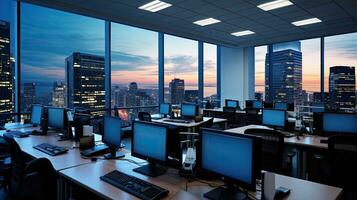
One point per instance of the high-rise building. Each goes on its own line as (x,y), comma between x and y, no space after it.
(258,96)
(283,73)
(133,99)
(6,98)
(85,77)
(177,91)
(28,97)
(191,96)
(59,94)
(342,87)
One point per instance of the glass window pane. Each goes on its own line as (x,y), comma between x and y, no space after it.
(210,73)
(62,59)
(8,48)
(340,64)
(134,73)
(181,70)
(260,54)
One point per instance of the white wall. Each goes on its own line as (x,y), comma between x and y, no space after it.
(237,74)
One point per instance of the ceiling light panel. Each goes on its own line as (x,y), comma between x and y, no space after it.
(307,22)
(208,21)
(274,5)
(242,33)
(155,6)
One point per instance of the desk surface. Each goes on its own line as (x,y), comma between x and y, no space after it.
(221,110)
(70,159)
(300,189)
(191,124)
(307,140)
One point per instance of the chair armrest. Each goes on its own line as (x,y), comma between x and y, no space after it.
(189,133)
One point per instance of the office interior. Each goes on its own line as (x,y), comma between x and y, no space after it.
(178,99)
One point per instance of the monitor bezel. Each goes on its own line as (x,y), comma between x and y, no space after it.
(330,133)
(42,111)
(250,186)
(148,158)
(64,118)
(170,109)
(108,143)
(227,100)
(190,104)
(274,111)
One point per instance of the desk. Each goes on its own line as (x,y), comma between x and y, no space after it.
(300,189)
(191,126)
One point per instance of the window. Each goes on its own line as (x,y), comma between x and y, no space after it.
(134,74)
(181,70)
(340,69)
(260,54)
(62,58)
(8,50)
(210,73)
(311,70)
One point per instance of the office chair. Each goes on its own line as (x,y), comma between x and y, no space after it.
(229,113)
(33,180)
(273,158)
(5,164)
(144,116)
(252,116)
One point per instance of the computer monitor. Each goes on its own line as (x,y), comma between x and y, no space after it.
(36,114)
(232,103)
(317,107)
(280,106)
(274,118)
(149,142)
(189,110)
(165,109)
(238,169)
(56,118)
(257,104)
(112,136)
(339,123)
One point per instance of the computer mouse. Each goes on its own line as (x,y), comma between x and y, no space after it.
(281,193)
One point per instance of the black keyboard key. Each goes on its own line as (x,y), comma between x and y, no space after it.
(137,187)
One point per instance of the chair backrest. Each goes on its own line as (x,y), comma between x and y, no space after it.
(227,109)
(144,116)
(343,160)
(272,148)
(18,161)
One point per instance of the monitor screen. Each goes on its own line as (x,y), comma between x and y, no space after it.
(149,141)
(257,104)
(165,108)
(339,123)
(232,103)
(112,131)
(217,156)
(188,110)
(36,114)
(281,106)
(56,118)
(274,117)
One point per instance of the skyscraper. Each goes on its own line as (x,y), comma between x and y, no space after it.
(29,95)
(342,87)
(85,79)
(133,99)
(6,98)
(283,73)
(177,90)
(59,94)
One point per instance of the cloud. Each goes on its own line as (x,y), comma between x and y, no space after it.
(131,62)
(179,64)
(40,74)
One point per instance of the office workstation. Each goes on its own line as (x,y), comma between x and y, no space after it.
(164,99)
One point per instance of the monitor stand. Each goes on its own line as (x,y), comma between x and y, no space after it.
(151,170)
(114,154)
(226,193)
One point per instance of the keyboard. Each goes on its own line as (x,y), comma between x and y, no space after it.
(95,150)
(287,134)
(134,186)
(51,149)
(177,121)
(19,134)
